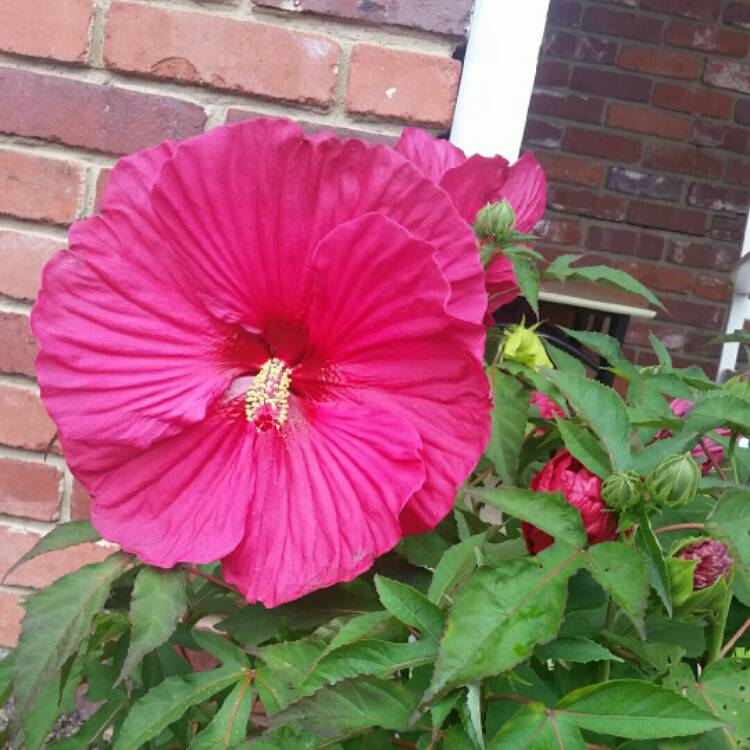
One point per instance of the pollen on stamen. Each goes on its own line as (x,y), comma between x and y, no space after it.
(267,400)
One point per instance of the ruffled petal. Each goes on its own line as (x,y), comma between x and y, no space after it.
(475,183)
(526,190)
(326,498)
(500,279)
(434,156)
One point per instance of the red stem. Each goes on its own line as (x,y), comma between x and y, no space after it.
(712,460)
(730,643)
(193,571)
(678,527)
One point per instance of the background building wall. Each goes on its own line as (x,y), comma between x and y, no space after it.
(84,81)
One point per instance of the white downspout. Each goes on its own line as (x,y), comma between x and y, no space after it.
(498,76)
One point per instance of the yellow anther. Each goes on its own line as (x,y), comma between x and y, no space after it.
(267,400)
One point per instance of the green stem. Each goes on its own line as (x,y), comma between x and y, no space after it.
(730,455)
(609,621)
(717,626)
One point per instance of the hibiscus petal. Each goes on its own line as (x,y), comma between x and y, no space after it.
(326,499)
(475,183)
(502,287)
(526,191)
(434,156)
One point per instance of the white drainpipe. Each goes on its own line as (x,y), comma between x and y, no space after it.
(498,75)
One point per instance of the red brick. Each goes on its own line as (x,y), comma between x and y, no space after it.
(441,16)
(707,39)
(603,145)
(241,56)
(19,349)
(647,184)
(564,13)
(588,203)
(684,159)
(739,172)
(11,614)
(728,75)
(571,169)
(80,502)
(671,218)
(35,187)
(561,231)
(718,198)
(22,257)
(43,570)
(702,255)
(29,489)
(715,135)
(540,133)
(40,28)
(660,277)
(742,112)
(23,420)
(610,83)
(580,47)
(102,180)
(649,246)
(698,10)
(738,14)
(689,312)
(660,62)
(714,288)
(552,73)
(727,228)
(567,106)
(694,101)
(623,24)
(646,120)
(405,86)
(100,118)
(625,242)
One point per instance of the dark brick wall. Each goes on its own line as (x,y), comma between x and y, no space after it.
(641,117)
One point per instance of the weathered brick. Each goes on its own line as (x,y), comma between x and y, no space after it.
(588,203)
(580,47)
(571,169)
(43,570)
(742,112)
(23,420)
(727,228)
(702,255)
(603,145)
(102,180)
(11,614)
(646,120)
(540,133)
(728,75)
(648,184)
(694,101)
(22,257)
(719,198)
(561,231)
(715,135)
(714,288)
(649,246)
(738,14)
(19,349)
(40,28)
(684,159)
(610,83)
(707,39)
(672,218)
(567,106)
(624,242)
(35,187)
(660,62)
(441,16)
(659,277)
(198,48)
(29,489)
(738,172)
(405,86)
(564,13)
(552,73)
(80,502)
(689,312)
(698,10)
(623,24)
(100,118)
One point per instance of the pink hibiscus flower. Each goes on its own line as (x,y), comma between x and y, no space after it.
(681,407)
(473,183)
(267,349)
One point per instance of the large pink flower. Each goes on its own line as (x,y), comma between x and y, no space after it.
(267,349)
(473,183)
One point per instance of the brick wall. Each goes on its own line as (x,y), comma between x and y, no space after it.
(83,81)
(641,116)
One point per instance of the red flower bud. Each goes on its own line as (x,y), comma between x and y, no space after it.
(713,561)
(581,489)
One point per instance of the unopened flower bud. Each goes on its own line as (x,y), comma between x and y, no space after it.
(622,490)
(674,482)
(496,222)
(523,345)
(713,561)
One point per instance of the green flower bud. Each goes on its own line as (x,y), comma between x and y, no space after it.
(700,570)
(523,345)
(674,482)
(496,223)
(622,490)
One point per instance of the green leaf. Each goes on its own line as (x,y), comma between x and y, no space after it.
(509,416)
(6,676)
(424,550)
(548,511)
(620,570)
(222,648)
(564,361)
(603,410)
(535,727)
(719,410)
(606,347)
(585,447)
(229,725)
(500,614)
(253,624)
(41,717)
(578,650)
(57,619)
(527,278)
(168,701)
(158,602)
(456,565)
(723,688)
(653,555)
(362,627)
(410,607)
(95,725)
(634,710)
(664,357)
(64,535)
